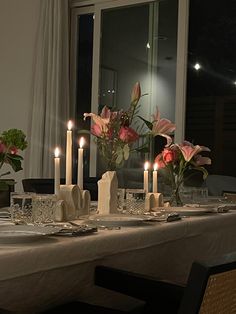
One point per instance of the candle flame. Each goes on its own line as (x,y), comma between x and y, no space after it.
(146,165)
(81,142)
(155,167)
(57,152)
(69,125)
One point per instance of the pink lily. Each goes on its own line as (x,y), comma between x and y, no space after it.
(189,151)
(136,93)
(162,127)
(96,130)
(101,121)
(128,135)
(201,161)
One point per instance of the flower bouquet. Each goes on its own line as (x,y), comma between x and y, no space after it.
(115,134)
(178,160)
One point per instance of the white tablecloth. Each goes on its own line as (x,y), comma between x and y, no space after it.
(58,269)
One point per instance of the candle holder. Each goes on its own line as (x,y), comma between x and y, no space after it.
(107,193)
(73,203)
(153,200)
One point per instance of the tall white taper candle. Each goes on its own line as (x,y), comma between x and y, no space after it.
(69,153)
(80,178)
(57,172)
(154,178)
(145,177)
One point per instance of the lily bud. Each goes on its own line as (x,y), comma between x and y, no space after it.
(136,93)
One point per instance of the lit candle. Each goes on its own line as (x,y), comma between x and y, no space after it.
(80,177)
(69,153)
(154,178)
(145,177)
(57,172)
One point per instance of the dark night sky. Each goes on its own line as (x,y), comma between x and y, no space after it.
(212,42)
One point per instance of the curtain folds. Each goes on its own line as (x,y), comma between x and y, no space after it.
(50,105)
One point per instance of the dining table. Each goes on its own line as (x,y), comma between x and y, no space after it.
(38,274)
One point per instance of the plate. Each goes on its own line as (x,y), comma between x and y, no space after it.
(115,220)
(24,233)
(214,207)
(188,211)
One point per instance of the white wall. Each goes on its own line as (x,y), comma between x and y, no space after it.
(18,28)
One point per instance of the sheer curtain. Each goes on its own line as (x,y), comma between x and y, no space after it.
(50,106)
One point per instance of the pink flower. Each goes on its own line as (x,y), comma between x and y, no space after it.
(189,151)
(101,121)
(127,134)
(201,161)
(162,127)
(96,130)
(159,161)
(2,147)
(13,150)
(169,155)
(136,93)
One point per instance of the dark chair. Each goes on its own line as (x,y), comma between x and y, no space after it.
(46,186)
(218,184)
(211,288)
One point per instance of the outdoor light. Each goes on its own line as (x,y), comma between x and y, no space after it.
(197,66)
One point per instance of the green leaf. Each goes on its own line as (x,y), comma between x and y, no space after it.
(148,123)
(15,164)
(14,137)
(126,151)
(143,149)
(14,157)
(119,158)
(203,170)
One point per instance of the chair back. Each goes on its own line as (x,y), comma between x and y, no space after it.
(46,186)
(211,287)
(6,192)
(39,186)
(217,184)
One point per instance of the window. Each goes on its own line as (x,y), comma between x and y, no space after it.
(132,41)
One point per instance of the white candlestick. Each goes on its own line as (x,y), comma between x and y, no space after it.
(145,177)
(80,174)
(57,172)
(69,154)
(154,178)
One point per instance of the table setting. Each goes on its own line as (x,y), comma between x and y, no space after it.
(57,239)
(69,250)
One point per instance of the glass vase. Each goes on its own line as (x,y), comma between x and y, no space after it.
(175,197)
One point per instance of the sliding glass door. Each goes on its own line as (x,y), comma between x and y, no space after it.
(131,41)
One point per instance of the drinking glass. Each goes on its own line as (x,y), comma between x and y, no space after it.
(43,208)
(199,195)
(135,201)
(120,199)
(21,207)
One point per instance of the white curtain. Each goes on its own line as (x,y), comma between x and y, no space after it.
(50,106)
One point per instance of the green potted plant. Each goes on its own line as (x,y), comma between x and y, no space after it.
(11,142)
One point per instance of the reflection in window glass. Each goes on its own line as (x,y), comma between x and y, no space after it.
(84,82)
(139,43)
(211,89)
